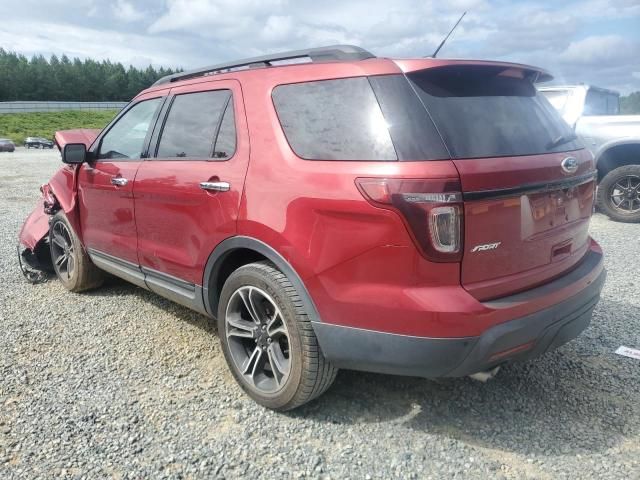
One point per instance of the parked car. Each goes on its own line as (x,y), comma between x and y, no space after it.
(31,142)
(46,143)
(613,139)
(331,209)
(37,142)
(7,145)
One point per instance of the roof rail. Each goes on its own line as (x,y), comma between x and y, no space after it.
(333,53)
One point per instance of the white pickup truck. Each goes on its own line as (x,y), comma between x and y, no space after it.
(613,139)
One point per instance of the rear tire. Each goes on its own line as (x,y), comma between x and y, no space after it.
(70,261)
(619,194)
(268,341)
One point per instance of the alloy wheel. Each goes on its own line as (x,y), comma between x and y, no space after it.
(258,339)
(62,251)
(625,194)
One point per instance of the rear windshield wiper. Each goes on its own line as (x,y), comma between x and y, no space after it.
(561,140)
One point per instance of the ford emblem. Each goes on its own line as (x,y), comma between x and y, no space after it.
(569,165)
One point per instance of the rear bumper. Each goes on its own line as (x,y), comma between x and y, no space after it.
(518,339)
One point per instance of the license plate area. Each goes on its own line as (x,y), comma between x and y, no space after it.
(545,211)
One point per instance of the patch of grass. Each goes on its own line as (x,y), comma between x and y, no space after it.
(18,126)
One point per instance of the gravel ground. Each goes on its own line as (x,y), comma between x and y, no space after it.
(121,383)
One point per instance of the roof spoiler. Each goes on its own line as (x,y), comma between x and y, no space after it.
(534,74)
(332,53)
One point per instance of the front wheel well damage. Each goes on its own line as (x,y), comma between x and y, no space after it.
(34,254)
(618,156)
(36,264)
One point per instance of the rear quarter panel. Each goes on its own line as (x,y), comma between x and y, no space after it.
(312,213)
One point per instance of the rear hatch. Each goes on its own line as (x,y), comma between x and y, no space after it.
(527,183)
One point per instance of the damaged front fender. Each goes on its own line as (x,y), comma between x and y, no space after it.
(35,227)
(57,195)
(34,257)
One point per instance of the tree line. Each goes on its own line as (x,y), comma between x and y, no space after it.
(68,79)
(630,104)
(89,80)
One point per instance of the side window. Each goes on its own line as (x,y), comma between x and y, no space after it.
(226,142)
(192,124)
(126,138)
(334,120)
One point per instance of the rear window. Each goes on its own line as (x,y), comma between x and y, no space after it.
(557,98)
(439,113)
(490,112)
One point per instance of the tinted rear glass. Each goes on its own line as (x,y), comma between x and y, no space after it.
(414,135)
(557,98)
(484,112)
(334,120)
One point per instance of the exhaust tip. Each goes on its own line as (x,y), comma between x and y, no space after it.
(486,375)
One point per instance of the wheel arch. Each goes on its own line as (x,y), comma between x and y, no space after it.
(617,153)
(241,250)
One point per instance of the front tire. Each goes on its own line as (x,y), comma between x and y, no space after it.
(70,261)
(268,341)
(619,194)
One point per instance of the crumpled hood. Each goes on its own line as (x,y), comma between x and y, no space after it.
(80,135)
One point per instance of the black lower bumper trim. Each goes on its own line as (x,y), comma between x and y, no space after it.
(367,350)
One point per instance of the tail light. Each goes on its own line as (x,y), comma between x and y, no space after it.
(432,210)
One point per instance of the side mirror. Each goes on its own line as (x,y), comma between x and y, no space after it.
(74,153)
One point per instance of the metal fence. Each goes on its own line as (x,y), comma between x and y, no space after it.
(23,107)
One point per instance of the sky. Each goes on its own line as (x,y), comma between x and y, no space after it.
(590,41)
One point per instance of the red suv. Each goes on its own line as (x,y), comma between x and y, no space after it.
(332,209)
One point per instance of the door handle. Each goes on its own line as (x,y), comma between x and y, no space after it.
(119,181)
(215,186)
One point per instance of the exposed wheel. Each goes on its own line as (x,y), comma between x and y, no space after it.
(268,341)
(619,194)
(71,263)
